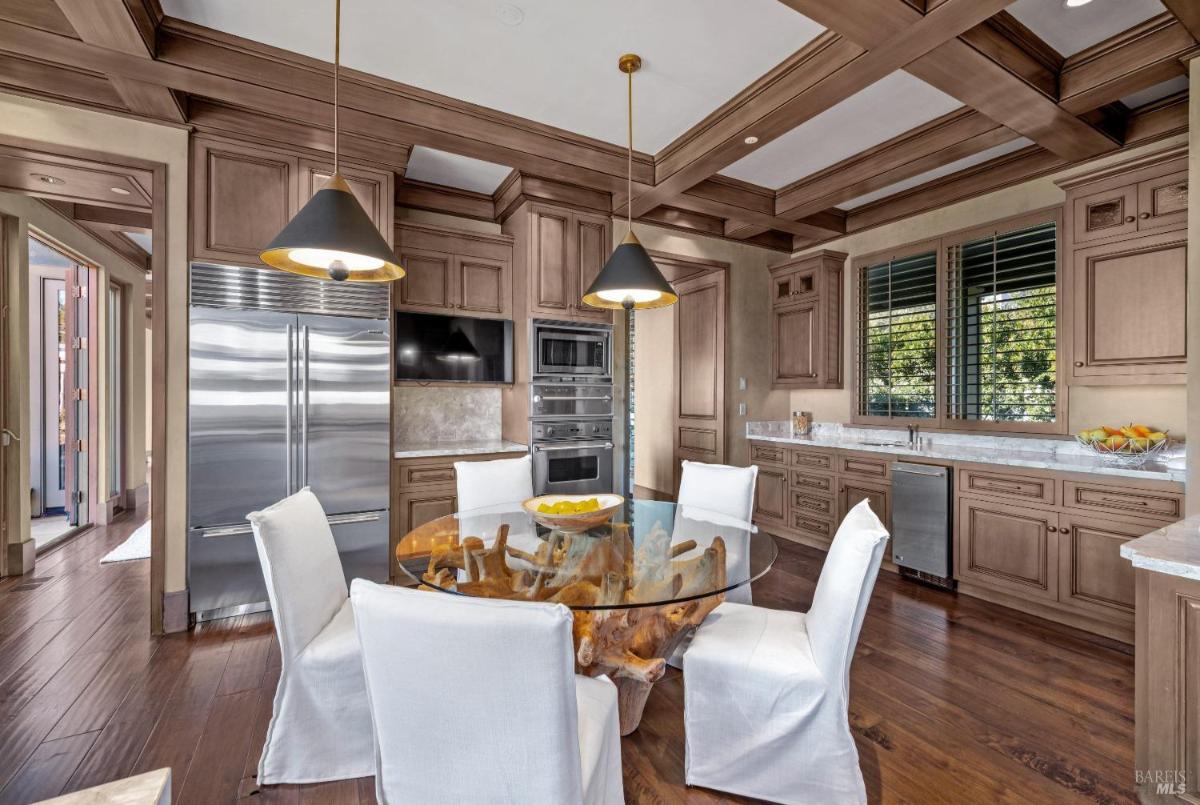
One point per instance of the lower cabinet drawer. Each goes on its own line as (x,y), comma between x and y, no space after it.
(874,467)
(1013,549)
(426,472)
(812,483)
(806,503)
(816,527)
(1011,485)
(1123,500)
(811,459)
(768,453)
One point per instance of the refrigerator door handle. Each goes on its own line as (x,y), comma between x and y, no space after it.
(290,392)
(359,517)
(304,408)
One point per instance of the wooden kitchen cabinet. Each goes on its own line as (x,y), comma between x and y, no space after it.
(806,329)
(851,491)
(1007,548)
(453,272)
(1093,576)
(566,250)
(1125,273)
(374,189)
(771,496)
(1129,305)
(242,196)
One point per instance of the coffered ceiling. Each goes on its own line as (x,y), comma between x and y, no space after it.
(778,122)
(553,61)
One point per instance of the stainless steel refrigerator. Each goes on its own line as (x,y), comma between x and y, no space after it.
(289,386)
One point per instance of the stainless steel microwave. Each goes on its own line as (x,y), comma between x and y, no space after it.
(571,349)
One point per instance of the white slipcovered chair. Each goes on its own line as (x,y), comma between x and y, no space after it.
(722,490)
(321,724)
(477,701)
(499,485)
(766,691)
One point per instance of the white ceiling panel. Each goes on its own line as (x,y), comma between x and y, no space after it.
(885,109)
(553,61)
(930,175)
(1156,92)
(1070,30)
(452,170)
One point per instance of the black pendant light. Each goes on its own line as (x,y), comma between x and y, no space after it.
(332,237)
(630,279)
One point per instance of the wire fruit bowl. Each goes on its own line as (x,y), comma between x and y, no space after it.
(1129,452)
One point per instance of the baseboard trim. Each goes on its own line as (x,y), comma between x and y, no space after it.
(138,496)
(175,611)
(22,558)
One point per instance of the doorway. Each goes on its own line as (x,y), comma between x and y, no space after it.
(61,379)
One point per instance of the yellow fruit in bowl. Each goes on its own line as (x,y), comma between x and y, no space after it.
(1140,444)
(1110,431)
(1115,442)
(1156,436)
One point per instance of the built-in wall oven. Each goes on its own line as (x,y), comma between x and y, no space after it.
(571,457)
(572,349)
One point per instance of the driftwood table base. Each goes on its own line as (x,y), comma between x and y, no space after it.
(631,611)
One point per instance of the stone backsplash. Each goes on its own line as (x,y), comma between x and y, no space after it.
(423,414)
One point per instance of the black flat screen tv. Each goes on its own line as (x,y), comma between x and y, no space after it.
(432,348)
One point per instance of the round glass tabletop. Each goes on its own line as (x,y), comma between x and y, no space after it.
(652,553)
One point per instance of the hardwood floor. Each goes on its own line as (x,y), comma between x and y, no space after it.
(952,700)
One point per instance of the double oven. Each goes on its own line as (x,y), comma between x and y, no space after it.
(571,407)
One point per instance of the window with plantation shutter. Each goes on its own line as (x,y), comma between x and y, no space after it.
(1001,326)
(897,339)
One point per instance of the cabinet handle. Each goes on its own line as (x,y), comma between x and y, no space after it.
(1129,219)
(1144,216)
(1079,363)
(1051,529)
(1123,502)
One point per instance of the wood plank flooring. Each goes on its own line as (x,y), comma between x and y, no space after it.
(952,700)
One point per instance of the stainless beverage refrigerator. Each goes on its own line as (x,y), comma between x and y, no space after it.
(289,386)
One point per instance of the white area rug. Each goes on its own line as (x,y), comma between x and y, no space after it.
(136,547)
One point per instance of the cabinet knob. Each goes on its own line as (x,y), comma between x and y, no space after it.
(1144,216)
(1129,219)
(1079,363)
(1051,529)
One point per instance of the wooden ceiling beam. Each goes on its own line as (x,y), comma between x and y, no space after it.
(984,81)
(1128,62)
(127,29)
(1188,13)
(819,76)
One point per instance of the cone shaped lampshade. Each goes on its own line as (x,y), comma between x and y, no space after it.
(332,237)
(630,275)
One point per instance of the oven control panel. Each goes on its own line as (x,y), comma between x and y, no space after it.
(562,431)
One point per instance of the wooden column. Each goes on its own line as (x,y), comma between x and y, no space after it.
(1193,292)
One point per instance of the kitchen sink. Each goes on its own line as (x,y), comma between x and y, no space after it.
(885,444)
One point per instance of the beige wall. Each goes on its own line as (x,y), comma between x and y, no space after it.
(748,354)
(1162,406)
(55,124)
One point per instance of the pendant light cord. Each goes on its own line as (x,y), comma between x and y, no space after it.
(337,65)
(629,191)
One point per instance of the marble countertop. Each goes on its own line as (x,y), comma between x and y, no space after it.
(1174,550)
(1036,453)
(472,448)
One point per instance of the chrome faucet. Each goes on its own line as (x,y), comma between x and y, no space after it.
(914,437)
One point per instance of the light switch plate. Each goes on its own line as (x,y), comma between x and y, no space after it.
(741,409)
(741,384)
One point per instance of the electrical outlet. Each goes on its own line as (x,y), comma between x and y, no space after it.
(741,384)
(741,409)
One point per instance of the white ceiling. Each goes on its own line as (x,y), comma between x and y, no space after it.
(945,170)
(1152,94)
(143,239)
(557,66)
(1070,30)
(884,110)
(452,170)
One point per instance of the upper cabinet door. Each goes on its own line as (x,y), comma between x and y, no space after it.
(593,246)
(1104,214)
(797,345)
(483,287)
(550,284)
(373,189)
(242,197)
(428,282)
(1162,202)
(1129,308)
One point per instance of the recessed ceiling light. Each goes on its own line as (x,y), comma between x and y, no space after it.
(751,140)
(510,15)
(47,178)
(1075,3)
(120,191)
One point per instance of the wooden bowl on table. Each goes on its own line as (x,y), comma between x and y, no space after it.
(573,523)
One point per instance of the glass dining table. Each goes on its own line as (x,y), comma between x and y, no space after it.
(638,585)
